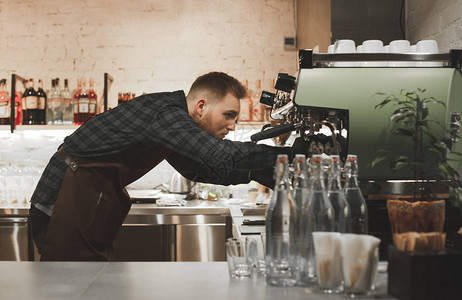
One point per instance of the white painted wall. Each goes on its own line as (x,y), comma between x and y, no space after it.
(146,45)
(440,20)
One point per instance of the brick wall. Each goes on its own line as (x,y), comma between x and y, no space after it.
(440,20)
(146,45)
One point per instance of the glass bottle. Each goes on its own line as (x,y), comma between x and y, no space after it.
(119,99)
(4,104)
(58,103)
(300,181)
(300,195)
(30,101)
(49,109)
(76,102)
(282,230)
(354,196)
(246,111)
(317,215)
(92,99)
(54,105)
(84,103)
(342,213)
(68,115)
(257,107)
(42,102)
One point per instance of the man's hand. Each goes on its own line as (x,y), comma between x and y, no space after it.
(263,176)
(300,146)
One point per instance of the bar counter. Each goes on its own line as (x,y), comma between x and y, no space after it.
(145,280)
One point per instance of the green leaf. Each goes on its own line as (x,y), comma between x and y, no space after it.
(402,131)
(383,155)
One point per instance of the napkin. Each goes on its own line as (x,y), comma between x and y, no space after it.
(359,256)
(171,200)
(328,259)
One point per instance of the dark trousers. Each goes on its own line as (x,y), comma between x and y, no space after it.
(39,226)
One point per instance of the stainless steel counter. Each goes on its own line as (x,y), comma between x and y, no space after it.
(194,232)
(147,280)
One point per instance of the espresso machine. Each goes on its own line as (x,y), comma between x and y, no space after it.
(331,104)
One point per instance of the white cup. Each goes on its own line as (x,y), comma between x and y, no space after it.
(330,48)
(400,46)
(428,46)
(373,46)
(359,49)
(345,46)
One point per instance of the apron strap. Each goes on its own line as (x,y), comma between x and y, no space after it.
(69,160)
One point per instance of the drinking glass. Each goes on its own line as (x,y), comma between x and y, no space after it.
(359,263)
(236,256)
(256,254)
(328,261)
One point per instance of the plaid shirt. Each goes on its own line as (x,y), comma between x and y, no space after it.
(157,121)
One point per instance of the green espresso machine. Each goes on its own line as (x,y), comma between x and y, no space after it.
(331,104)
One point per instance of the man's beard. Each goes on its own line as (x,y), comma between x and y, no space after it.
(206,123)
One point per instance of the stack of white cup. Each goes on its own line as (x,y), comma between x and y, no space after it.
(376,46)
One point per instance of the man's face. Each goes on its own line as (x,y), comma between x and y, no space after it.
(219,117)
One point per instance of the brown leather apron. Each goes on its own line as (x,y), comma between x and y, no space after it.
(92,205)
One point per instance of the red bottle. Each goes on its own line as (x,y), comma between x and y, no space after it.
(75,103)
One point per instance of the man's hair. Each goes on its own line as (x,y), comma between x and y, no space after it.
(217,85)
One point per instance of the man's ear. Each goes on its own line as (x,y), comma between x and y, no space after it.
(200,106)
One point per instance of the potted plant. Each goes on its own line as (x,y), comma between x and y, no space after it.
(427,162)
(420,275)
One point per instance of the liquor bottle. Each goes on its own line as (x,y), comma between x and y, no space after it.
(4,104)
(30,101)
(76,102)
(282,230)
(258,109)
(83,103)
(49,110)
(68,115)
(245,113)
(342,213)
(92,99)
(58,102)
(42,100)
(119,99)
(54,105)
(354,196)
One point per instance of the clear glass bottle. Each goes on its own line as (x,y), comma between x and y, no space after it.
(318,215)
(342,213)
(68,114)
(354,196)
(300,181)
(282,230)
(54,105)
(42,103)
(300,195)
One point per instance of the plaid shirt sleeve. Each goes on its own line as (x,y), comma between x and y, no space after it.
(212,159)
